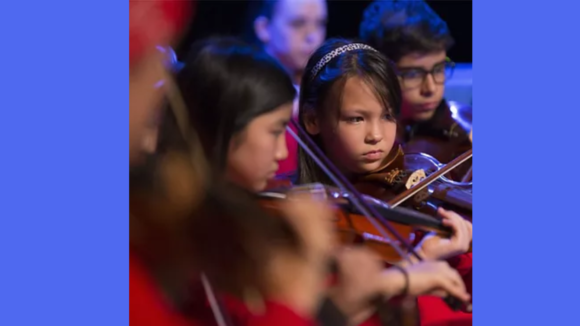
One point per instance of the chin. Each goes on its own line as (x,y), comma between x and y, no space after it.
(369,167)
(423,116)
(260,186)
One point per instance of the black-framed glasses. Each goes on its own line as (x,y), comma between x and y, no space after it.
(414,77)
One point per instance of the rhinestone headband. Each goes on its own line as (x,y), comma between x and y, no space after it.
(336,52)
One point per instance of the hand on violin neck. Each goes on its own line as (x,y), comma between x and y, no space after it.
(434,247)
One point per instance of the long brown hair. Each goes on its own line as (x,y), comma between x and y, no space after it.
(321,94)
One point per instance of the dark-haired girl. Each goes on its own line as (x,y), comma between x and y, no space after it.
(349,98)
(160,262)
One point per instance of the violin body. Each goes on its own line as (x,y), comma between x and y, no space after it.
(355,228)
(444,137)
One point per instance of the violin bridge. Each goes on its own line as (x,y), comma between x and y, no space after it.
(415,178)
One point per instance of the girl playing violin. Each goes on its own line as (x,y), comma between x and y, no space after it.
(240,100)
(349,99)
(152,282)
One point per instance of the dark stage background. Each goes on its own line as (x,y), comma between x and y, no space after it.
(229,18)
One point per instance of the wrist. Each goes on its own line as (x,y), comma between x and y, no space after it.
(395,281)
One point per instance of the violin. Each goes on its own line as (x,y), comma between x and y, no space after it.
(444,137)
(353,227)
(406,171)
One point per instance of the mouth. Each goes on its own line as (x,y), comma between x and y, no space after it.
(427,106)
(373,155)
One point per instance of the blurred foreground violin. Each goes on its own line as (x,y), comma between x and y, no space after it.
(355,228)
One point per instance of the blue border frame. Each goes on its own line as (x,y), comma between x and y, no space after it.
(64,162)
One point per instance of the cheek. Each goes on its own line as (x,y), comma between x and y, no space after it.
(254,160)
(343,144)
(411,96)
(282,38)
(292,40)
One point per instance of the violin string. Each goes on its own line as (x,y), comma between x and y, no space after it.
(357,201)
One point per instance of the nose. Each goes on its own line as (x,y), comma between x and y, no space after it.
(314,35)
(374,133)
(311,37)
(429,86)
(281,148)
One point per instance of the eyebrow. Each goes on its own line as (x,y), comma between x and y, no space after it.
(365,112)
(283,122)
(360,111)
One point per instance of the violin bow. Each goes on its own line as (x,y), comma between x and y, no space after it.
(430,179)
(357,200)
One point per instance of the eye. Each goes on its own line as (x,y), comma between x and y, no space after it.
(412,74)
(298,23)
(439,69)
(277,132)
(354,119)
(389,117)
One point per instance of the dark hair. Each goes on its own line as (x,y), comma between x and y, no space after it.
(322,93)
(397,28)
(257,9)
(227,83)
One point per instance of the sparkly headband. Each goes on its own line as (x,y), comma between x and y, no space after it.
(336,52)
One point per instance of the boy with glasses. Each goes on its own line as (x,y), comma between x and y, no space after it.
(416,39)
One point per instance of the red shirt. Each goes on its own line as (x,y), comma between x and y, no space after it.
(147,307)
(433,311)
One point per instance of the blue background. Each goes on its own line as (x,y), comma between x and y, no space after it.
(64,162)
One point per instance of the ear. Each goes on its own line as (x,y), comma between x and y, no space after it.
(261,25)
(311,122)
